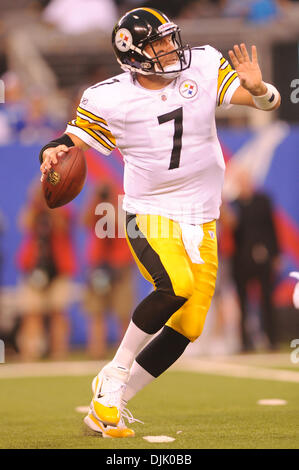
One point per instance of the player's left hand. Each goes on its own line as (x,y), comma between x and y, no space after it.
(249,72)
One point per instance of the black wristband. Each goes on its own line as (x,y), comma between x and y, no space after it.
(63,140)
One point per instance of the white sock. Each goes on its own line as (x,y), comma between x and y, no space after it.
(139,378)
(133,341)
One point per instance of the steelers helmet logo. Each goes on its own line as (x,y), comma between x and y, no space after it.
(123,39)
(188,89)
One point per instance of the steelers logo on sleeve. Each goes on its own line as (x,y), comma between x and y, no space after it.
(188,89)
(123,39)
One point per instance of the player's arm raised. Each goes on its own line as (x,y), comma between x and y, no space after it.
(253,91)
(50,152)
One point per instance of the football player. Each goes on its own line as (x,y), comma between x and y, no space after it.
(160,113)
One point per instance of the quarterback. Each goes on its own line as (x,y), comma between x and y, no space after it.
(160,114)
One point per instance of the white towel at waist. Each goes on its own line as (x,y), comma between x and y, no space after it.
(192,236)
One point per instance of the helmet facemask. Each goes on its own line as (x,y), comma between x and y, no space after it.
(180,56)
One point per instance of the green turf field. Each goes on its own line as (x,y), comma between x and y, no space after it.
(210,411)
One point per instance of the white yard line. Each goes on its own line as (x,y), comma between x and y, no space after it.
(230,366)
(50,369)
(229,369)
(264,360)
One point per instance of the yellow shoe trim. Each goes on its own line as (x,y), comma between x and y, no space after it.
(96,421)
(107,414)
(120,432)
(114,433)
(93,423)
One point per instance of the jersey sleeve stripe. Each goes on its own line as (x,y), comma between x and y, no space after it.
(222,77)
(94,135)
(99,139)
(224,65)
(226,86)
(91,115)
(105,133)
(92,121)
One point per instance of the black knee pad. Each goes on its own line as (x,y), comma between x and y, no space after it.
(162,351)
(155,310)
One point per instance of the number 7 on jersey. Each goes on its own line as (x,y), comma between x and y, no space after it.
(177,116)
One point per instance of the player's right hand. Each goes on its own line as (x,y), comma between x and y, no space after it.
(50,156)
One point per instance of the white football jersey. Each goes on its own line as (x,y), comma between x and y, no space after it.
(173,160)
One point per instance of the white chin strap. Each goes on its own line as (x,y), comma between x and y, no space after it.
(169,75)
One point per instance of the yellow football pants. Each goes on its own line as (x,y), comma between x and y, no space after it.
(195,282)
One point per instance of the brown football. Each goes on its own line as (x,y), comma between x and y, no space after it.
(64,181)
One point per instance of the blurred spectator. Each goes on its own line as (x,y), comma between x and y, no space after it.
(2,229)
(226,324)
(171,8)
(81,16)
(176,8)
(39,127)
(263,11)
(110,278)
(198,9)
(8,321)
(295,274)
(13,111)
(256,256)
(235,8)
(46,260)
(23,118)
(255,11)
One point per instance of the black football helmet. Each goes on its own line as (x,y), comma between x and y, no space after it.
(141,27)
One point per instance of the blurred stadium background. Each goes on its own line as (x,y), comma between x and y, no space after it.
(50,51)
